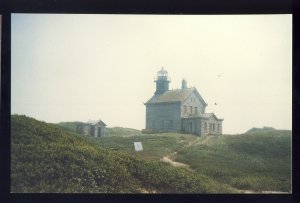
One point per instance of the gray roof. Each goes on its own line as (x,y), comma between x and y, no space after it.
(177,95)
(206,116)
(94,122)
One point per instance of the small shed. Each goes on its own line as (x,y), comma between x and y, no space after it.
(92,128)
(98,128)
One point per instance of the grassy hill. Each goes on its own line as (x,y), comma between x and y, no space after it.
(155,145)
(259,130)
(258,161)
(114,131)
(47,158)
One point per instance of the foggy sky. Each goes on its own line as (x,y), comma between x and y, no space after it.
(79,67)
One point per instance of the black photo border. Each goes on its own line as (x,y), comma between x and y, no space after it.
(173,7)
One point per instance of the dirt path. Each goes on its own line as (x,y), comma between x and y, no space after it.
(174,163)
(148,191)
(178,164)
(261,192)
(197,141)
(193,142)
(208,137)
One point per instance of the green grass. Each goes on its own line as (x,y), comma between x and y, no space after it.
(114,131)
(155,145)
(119,131)
(258,161)
(69,125)
(48,158)
(51,158)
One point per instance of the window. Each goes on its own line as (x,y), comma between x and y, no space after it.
(184,108)
(210,127)
(191,108)
(196,109)
(213,127)
(205,126)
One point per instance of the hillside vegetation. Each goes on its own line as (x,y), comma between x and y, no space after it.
(114,131)
(259,130)
(258,161)
(155,145)
(48,158)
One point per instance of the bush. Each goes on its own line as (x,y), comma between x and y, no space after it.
(148,131)
(47,158)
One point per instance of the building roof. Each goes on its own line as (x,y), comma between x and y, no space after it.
(177,95)
(94,122)
(91,122)
(206,116)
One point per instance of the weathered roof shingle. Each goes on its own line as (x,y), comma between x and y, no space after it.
(94,122)
(177,95)
(206,116)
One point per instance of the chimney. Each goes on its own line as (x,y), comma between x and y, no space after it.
(183,84)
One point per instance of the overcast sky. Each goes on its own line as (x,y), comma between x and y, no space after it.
(81,67)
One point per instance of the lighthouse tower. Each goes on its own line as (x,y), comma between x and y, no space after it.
(162,82)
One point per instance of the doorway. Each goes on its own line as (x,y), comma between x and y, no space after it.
(190,127)
(99,133)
